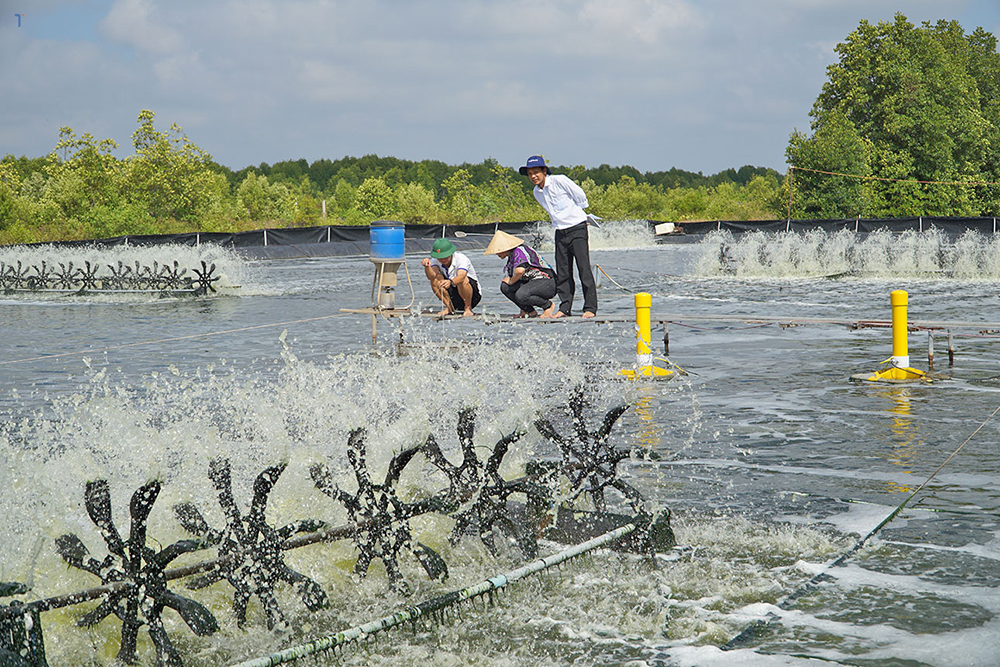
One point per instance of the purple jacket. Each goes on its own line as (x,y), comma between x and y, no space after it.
(535,266)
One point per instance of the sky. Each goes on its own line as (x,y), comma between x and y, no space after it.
(700,85)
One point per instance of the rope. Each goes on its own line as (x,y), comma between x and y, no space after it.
(647,272)
(892,180)
(755,628)
(619,286)
(695,327)
(413,613)
(166,340)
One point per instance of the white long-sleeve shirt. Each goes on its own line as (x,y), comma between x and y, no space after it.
(563,200)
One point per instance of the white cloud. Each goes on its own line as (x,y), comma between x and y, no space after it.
(141,26)
(648,21)
(330,83)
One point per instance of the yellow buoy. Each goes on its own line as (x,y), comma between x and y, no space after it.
(643,336)
(899,364)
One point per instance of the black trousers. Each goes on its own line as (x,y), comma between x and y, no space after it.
(530,294)
(573,245)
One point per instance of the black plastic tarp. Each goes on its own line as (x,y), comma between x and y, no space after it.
(353,240)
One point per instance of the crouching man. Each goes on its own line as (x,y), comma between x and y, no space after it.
(452,278)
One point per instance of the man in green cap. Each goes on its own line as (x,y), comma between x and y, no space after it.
(452,278)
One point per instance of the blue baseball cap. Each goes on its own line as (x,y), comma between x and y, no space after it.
(534,161)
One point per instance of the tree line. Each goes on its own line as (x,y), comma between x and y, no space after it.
(170,185)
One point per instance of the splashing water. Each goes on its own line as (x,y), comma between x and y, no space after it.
(171,425)
(880,254)
(611,235)
(230,270)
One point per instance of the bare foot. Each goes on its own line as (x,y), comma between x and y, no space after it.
(548,312)
(558,313)
(587,314)
(445,312)
(468,313)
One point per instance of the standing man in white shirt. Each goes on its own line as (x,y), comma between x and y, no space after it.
(564,201)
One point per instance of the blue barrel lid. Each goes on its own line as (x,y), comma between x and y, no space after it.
(386,223)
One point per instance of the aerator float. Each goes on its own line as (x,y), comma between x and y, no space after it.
(109,278)
(249,552)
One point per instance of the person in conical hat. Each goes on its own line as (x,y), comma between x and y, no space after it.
(528,279)
(452,278)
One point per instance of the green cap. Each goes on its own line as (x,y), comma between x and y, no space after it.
(443,248)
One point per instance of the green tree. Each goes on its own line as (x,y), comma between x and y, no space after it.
(87,162)
(343,195)
(626,199)
(834,147)
(689,203)
(264,201)
(415,203)
(757,200)
(168,173)
(10,183)
(505,194)
(461,195)
(924,100)
(374,199)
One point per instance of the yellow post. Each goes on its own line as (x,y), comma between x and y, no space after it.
(643,336)
(899,364)
(643,325)
(900,349)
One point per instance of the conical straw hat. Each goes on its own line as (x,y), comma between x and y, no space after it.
(501,242)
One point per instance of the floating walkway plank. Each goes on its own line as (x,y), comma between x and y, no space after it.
(489,318)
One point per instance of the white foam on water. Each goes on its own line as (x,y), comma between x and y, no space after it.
(711,656)
(880,254)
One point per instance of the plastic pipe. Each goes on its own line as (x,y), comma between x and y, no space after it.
(411,614)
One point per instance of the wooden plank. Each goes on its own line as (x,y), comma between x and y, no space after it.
(494,318)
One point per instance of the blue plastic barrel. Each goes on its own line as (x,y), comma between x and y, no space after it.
(388,241)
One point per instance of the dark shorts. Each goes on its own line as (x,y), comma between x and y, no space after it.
(458,303)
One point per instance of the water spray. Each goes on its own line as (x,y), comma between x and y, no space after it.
(428,607)
(250,552)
